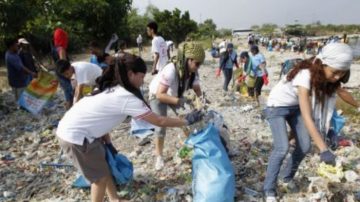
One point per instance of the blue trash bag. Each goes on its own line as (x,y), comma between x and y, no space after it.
(121,168)
(212,172)
(337,122)
(81,182)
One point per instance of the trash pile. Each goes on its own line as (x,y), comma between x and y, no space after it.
(33,168)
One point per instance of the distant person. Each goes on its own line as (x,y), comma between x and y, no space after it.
(251,40)
(99,55)
(27,57)
(17,73)
(158,48)
(227,62)
(259,67)
(139,41)
(122,47)
(85,74)
(61,42)
(59,52)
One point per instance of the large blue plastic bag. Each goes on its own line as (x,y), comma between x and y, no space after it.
(213,174)
(121,169)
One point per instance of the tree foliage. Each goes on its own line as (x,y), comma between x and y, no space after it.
(175,25)
(84,20)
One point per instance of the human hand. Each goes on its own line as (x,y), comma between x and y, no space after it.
(328,157)
(154,72)
(114,38)
(194,117)
(217,72)
(358,109)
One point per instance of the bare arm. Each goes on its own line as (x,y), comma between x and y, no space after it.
(306,113)
(163,121)
(78,92)
(163,97)
(62,54)
(347,97)
(197,90)
(156,59)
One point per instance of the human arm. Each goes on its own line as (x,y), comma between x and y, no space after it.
(113,39)
(197,90)
(62,53)
(347,97)
(306,113)
(78,92)
(163,97)
(163,121)
(156,60)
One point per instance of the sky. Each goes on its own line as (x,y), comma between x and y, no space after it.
(242,14)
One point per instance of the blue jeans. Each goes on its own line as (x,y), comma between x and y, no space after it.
(277,118)
(67,88)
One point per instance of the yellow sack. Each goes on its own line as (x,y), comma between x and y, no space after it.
(250,81)
(87,90)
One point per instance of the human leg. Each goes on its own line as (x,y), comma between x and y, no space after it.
(276,119)
(302,145)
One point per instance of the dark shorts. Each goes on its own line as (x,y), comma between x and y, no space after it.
(88,158)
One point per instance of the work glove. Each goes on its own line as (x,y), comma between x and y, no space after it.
(328,157)
(217,72)
(194,117)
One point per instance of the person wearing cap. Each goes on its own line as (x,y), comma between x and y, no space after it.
(167,88)
(27,57)
(305,99)
(18,73)
(227,62)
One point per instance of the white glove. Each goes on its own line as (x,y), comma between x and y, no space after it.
(358,109)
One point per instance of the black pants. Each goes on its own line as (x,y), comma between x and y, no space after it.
(259,82)
(228,75)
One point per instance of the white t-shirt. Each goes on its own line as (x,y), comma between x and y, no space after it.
(285,93)
(94,116)
(159,46)
(86,72)
(168,77)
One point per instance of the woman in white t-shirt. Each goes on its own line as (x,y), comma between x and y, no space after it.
(81,131)
(304,99)
(168,86)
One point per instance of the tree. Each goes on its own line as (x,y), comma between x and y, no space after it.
(175,25)
(136,25)
(207,29)
(267,29)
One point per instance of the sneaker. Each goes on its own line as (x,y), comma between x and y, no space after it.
(159,164)
(270,199)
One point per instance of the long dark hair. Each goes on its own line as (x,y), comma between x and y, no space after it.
(185,76)
(318,82)
(116,74)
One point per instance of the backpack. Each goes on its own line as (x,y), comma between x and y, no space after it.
(289,65)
